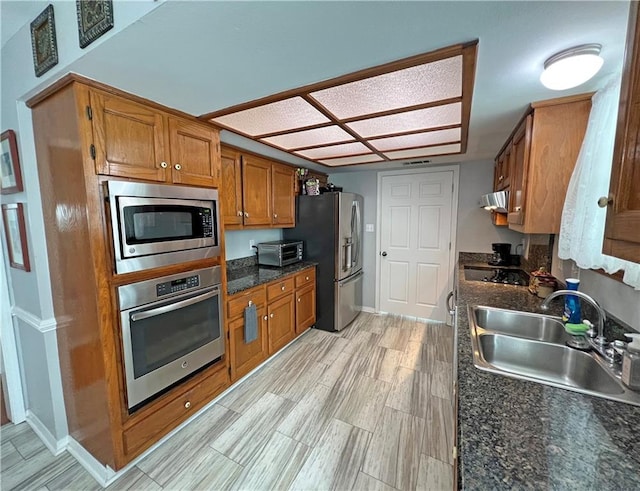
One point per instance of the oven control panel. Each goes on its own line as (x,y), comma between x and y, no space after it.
(178,285)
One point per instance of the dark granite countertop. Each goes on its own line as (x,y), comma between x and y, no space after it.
(243,278)
(515,434)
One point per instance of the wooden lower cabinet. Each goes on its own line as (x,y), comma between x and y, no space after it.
(281,323)
(305,309)
(164,418)
(244,356)
(286,308)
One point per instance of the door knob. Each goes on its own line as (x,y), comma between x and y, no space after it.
(604,201)
(298,299)
(282,288)
(187,405)
(177,167)
(265,318)
(271,315)
(246,215)
(275,215)
(239,213)
(383,253)
(163,165)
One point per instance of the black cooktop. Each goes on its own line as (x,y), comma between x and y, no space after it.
(489,274)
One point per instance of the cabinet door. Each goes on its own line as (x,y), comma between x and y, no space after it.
(243,356)
(521,147)
(283,200)
(129,138)
(195,153)
(621,237)
(256,191)
(281,322)
(305,309)
(231,189)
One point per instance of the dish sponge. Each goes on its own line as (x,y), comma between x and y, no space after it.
(576,328)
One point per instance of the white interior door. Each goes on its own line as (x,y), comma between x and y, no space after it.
(416,228)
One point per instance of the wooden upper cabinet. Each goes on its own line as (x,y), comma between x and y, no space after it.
(545,146)
(256,191)
(520,149)
(502,179)
(622,231)
(195,153)
(129,138)
(283,179)
(141,142)
(231,188)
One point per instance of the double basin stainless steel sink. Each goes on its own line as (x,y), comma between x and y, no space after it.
(532,347)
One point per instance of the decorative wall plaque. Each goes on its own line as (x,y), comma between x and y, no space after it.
(43,41)
(95,17)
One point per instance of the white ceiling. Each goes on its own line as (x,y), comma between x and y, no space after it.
(205,56)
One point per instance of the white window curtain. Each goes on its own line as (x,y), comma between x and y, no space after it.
(582,226)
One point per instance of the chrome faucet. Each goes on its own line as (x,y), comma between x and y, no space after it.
(600,341)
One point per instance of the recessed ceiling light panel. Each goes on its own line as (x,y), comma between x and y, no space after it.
(417,139)
(308,138)
(431,117)
(334,151)
(403,88)
(414,107)
(423,152)
(357,159)
(271,118)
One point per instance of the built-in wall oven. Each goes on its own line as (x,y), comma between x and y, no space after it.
(157,225)
(171,327)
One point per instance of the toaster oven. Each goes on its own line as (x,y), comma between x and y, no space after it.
(279,252)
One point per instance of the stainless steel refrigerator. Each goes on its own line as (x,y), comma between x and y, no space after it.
(330,225)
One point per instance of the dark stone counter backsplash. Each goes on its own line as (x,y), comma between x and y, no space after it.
(516,434)
(244,273)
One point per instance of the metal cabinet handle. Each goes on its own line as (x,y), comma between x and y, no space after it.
(239,213)
(187,404)
(282,287)
(177,167)
(246,215)
(298,299)
(518,208)
(604,201)
(449,305)
(265,318)
(163,165)
(306,278)
(271,315)
(250,303)
(275,215)
(501,178)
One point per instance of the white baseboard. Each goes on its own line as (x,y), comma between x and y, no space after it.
(56,447)
(101,473)
(369,310)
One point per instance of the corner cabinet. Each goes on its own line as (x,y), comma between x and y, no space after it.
(258,193)
(622,232)
(138,141)
(541,154)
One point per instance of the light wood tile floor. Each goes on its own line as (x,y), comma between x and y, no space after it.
(368,408)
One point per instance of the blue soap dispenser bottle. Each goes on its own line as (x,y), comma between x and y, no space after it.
(572,313)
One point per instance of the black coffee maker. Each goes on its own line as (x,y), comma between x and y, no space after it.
(501,254)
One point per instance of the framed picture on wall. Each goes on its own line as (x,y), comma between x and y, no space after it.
(10,175)
(15,231)
(95,17)
(43,42)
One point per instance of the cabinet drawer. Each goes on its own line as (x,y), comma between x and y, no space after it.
(164,419)
(238,302)
(306,277)
(280,287)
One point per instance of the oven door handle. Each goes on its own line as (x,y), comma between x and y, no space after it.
(138,316)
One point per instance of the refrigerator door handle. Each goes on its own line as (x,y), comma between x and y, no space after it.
(351,279)
(355,230)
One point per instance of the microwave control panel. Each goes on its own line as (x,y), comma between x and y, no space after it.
(178,285)
(207,222)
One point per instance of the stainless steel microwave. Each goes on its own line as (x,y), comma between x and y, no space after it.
(157,225)
(279,252)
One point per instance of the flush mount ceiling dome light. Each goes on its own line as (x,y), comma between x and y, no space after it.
(571,67)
